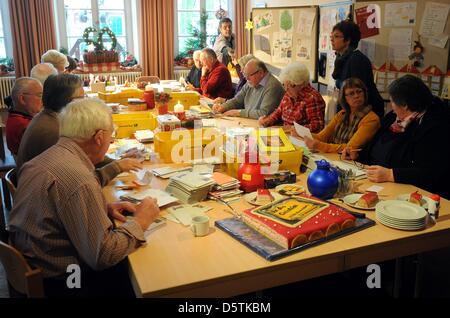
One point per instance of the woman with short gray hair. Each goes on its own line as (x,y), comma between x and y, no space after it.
(56,58)
(301,103)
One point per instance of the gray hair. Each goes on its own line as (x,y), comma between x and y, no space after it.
(210,53)
(82,118)
(259,65)
(197,52)
(42,71)
(21,86)
(54,57)
(245,59)
(296,73)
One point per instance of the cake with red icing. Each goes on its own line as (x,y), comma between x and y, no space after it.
(415,198)
(294,221)
(368,200)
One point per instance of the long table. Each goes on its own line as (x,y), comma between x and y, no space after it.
(174,263)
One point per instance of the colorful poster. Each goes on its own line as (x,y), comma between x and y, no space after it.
(282,47)
(400,14)
(263,22)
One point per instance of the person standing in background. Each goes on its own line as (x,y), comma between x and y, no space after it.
(350,62)
(225,44)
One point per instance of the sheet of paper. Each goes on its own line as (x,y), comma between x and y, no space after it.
(375,189)
(302,131)
(306,22)
(162,197)
(367,47)
(434,19)
(438,41)
(185,213)
(400,44)
(400,14)
(144,177)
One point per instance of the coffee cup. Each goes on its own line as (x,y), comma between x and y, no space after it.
(200,225)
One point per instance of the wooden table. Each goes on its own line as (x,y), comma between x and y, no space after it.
(174,263)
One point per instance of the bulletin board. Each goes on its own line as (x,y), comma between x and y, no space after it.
(400,25)
(286,34)
(330,15)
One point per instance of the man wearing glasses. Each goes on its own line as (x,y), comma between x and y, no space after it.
(27,100)
(259,97)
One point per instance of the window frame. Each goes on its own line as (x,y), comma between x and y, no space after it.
(129,5)
(202,6)
(4,6)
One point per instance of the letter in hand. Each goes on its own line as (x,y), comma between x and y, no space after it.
(146,212)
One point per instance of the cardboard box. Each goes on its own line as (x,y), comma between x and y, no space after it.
(168,122)
(122,96)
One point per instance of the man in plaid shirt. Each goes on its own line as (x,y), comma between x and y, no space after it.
(301,103)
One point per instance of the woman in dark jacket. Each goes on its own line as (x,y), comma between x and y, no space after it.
(350,62)
(411,145)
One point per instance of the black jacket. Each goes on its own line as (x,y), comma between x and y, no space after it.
(421,155)
(194,76)
(359,66)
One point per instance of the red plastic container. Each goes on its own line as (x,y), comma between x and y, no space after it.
(249,174)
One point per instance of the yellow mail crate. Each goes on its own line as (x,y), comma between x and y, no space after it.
(187,99)
(121,97)
(129,122)
(186,145)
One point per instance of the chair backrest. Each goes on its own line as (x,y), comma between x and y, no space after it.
(149,79)
(11,181)
(20,276)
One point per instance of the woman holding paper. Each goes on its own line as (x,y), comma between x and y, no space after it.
(354,126)
(301,103)
(410,146)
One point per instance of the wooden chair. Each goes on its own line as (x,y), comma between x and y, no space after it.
(149,79)
(21,277)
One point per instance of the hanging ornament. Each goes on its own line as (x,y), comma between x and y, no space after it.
(249,25)
(221,13)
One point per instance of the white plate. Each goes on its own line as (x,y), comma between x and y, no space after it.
(401,222)
(402,226)
(251,197)
(425,200)
(401,210)
(352,200)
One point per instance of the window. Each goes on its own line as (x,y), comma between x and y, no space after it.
(77,15)
(2,40)
(189,18)
(6,50)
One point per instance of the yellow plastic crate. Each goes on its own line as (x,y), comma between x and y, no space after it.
(186,145)
(187,99)
(289,160)
(129,122)
(121,97)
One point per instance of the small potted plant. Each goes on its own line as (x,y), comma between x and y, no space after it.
(162,100)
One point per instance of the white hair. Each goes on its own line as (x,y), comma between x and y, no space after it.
(243,60)
(54,57)
(296,73)
(82,118)
(197,53)
(21,85)
(42,71)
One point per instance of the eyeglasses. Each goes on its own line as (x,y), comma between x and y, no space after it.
(249,75)
(336,36)
(354,93)
(353,162)
(288,85)
(32,94)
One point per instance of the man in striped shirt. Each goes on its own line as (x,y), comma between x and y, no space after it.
(60,215)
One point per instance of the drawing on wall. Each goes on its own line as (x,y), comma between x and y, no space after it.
(400,14)
(286,20)
(302,49)
(282,47)
(263,22)
(306,22)
(262,43)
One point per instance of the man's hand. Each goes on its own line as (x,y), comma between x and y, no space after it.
(205,70)
(116,209)
(146,212)
(129,164)
(219,100)
(218,108)
(233,113)
(262,121)
(380,174)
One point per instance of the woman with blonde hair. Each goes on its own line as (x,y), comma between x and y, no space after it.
(354,126)
(57,59)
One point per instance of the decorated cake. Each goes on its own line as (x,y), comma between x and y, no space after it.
(415,198)
(294,221)
(368,200)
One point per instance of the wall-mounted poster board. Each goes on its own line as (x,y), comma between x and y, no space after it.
(330,15)
(390,45)
(284,35)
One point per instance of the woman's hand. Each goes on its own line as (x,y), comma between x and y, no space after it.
(262,121)
(312,144)
(380,174)
(350,154)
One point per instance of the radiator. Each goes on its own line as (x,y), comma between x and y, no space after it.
(122,77)
(6,84)
(180,73)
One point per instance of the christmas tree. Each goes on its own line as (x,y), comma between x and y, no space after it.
(286,20)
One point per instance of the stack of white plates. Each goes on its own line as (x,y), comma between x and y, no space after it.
(401,215)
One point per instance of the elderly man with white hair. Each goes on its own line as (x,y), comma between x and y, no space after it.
(26,95)
(195,74)
(56,58)
(42,71)
(62,219)
(301,103)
